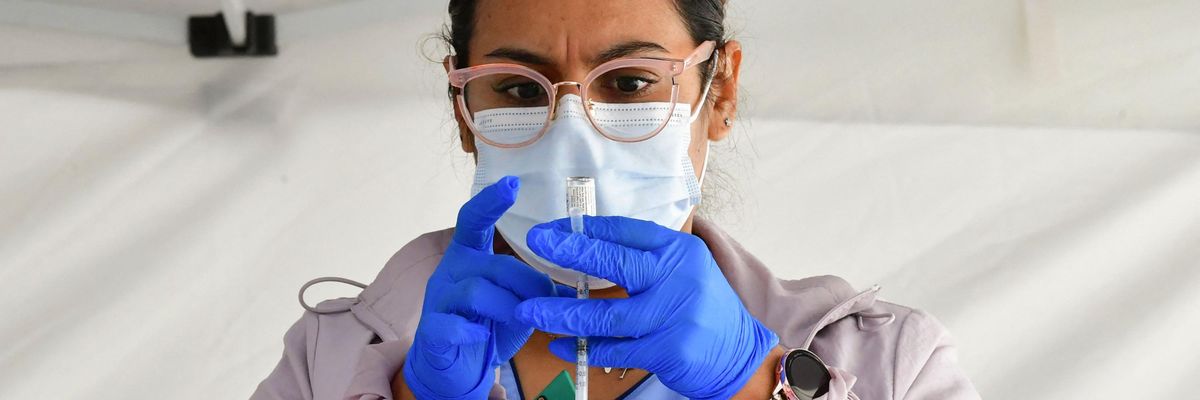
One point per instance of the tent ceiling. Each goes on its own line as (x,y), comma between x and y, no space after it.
(161,21)
(188,7)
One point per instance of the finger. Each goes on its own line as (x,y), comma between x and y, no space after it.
(604,352)
(629,232)
(504,271)
(588,317)
(632,269)
(441,329)
(480,213)
(476,298)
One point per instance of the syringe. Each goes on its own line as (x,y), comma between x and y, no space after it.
(581,199)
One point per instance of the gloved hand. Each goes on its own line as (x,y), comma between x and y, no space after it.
(467,326)
(682,321)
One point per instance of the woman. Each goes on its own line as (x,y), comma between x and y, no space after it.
(630,93)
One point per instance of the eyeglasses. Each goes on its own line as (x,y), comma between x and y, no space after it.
(648,87)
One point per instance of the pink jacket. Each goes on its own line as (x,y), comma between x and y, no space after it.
(878,350)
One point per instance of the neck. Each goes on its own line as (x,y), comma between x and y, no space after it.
(687,225)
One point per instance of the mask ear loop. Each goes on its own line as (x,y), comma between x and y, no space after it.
(704,164)
(707,85)
(703,98)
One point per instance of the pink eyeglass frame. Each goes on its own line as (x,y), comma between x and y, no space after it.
(673,67)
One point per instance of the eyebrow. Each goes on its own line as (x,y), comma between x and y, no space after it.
(624,49)
(627,49)
(519,55)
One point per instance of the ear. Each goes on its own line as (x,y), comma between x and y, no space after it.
(464,133)
(725,90)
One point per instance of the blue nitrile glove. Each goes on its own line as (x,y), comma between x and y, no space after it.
(467,327)
(682,321)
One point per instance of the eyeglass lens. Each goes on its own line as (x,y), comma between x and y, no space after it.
(626,103)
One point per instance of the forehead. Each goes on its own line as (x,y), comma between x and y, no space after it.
(573,30)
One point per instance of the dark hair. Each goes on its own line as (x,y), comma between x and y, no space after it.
(705,20)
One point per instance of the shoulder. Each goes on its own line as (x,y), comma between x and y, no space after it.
(913,332)
(395,296)
(922,343)
(421,253)
(415,252)
(390,303)
(893,350)
(917,327)
(899,329)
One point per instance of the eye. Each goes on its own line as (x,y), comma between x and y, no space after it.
(628,84)
(524,91)
(631,84)
(519,90)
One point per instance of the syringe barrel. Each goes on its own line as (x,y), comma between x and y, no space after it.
(581,200)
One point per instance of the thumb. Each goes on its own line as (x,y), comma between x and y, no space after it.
(477,217)
(446,330)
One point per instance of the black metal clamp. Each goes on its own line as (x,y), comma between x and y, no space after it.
(209,36)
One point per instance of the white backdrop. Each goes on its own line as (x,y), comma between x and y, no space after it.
(1028,171)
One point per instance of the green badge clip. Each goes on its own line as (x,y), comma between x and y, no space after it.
(561,388)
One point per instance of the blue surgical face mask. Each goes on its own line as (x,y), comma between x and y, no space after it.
(652,180)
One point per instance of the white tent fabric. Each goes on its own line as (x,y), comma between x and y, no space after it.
(1028,171)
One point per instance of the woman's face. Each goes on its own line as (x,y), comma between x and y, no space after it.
(564,40)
